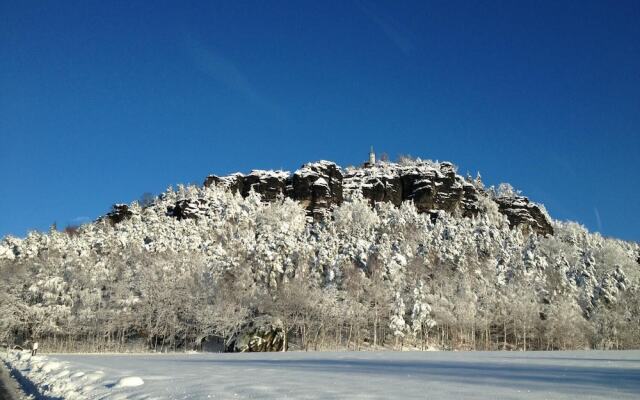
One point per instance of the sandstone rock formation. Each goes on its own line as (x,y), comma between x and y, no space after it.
(322,185)
(318,187)
(430,186)
(188,208)
(520,211)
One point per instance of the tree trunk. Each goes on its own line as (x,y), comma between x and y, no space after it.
(284,340)
(375,329)
(524,336)
(504,339)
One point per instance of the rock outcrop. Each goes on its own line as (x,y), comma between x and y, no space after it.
(431,186)
(188,208)
(232,182)
(318,187)
(520,211)
(270,184)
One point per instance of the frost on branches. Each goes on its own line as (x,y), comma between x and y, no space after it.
(362,276)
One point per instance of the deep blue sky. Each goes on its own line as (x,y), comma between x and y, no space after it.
(101,101)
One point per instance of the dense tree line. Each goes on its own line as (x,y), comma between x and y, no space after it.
(364,277)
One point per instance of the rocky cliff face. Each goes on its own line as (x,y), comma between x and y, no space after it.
(520,211)
(320,186)
(430,186)
(188,208)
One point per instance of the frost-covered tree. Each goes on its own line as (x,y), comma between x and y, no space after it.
(397,323)
(421,319)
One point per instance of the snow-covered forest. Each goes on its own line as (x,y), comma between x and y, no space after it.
(361,277)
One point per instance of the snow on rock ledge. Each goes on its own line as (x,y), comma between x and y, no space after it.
(430,186)
(318,187)
(321,186)
(520,211)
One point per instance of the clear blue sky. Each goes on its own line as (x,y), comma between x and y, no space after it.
(101,101)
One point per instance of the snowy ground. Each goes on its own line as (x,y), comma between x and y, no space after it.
(9,389)
(380,375)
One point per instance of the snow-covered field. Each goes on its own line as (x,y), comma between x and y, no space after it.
(363,375)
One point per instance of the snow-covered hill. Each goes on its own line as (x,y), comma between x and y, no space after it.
(386,255)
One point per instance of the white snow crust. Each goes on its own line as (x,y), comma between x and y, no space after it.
(266,174)
(347,375)
(129,381)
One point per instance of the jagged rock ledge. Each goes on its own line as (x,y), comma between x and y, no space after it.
(322,185)
(520,211)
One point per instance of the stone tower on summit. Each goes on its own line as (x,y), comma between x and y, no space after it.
(372,158)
